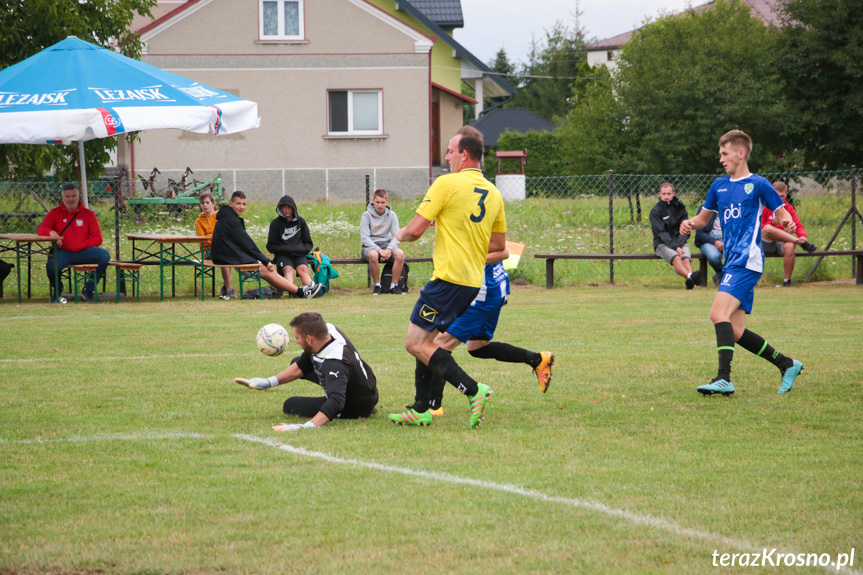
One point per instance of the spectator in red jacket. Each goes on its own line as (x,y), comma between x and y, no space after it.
(774,238)
(80,238)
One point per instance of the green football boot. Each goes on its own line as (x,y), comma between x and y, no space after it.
(478,403)
(411,417)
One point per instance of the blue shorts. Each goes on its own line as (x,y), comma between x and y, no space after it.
(440,303)
(478,322)
(740,283)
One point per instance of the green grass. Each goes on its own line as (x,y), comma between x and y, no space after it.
(119,450)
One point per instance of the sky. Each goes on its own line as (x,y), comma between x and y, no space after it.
(494,24)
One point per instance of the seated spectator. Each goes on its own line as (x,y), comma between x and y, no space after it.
(204,227)
(665,219)
(709,240)
(378,228)
(290,242)
(775,240)
(79,237)
(233,246)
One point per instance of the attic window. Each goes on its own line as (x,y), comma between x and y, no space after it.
(281,20)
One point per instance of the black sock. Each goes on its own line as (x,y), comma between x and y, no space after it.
(436,393)
(508,353)
(754,343)
(442,363)
(725,347)
(422,387)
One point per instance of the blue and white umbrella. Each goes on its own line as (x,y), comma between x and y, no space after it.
(77,91)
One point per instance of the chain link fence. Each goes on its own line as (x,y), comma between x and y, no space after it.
(596,214)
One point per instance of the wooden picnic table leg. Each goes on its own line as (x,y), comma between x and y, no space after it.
(549,273)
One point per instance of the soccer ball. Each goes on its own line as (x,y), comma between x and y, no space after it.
(272,339)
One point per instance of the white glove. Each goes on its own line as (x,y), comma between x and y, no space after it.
(293,426)
(258,382)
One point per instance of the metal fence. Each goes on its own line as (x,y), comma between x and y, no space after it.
(606,213)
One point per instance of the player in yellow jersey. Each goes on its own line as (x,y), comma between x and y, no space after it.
(469,220)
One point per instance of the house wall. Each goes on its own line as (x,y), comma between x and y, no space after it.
(451,119)
(601,57)
(446,68)
(345,48)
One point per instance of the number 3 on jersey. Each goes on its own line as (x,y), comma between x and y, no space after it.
(482,193)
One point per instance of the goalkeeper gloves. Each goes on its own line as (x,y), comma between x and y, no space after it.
(293,426)
(258,382)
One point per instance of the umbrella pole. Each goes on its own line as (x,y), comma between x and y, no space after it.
(83,168)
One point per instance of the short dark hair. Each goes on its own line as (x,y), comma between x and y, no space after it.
(206,195)
(238,194)
(737,139)
(471,132)
(471,145)
(69,187)
(380,193)
(310,323)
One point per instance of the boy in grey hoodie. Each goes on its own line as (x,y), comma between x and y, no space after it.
(378,228)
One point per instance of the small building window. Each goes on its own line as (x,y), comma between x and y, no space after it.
(354,112)
(610,55)
(281,20)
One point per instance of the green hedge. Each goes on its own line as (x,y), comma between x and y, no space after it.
(544,153)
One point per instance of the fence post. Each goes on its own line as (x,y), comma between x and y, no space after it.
(853,219)
(368,190)
(119,190)
(611,223)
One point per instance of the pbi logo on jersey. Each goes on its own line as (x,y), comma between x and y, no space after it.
(748,188)
(732,212)
(428,313)
(726,280)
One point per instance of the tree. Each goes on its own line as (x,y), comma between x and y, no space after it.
(551,68)
(681,83)
(28,27)
(822,63)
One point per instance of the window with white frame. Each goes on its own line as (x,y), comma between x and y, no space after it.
(281,20)
(355,112)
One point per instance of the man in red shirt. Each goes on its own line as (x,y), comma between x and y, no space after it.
(80,236)
(775,239)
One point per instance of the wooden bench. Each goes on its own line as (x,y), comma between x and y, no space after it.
(360,261)
(245,272)
(550,259)
(128,271)
(85,272)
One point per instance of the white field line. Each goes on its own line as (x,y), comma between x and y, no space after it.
(717,541)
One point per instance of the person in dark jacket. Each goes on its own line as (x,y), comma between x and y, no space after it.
(289,241)
(709,240)
(233,246)
(665,219)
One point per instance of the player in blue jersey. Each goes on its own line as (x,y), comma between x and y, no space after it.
(738,200)
(476,328)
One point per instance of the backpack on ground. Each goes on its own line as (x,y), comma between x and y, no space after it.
(267,292)
(323,270)
(387,276)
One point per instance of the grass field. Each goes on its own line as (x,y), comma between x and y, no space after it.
(126,448)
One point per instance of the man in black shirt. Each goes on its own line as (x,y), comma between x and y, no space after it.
(332,361)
